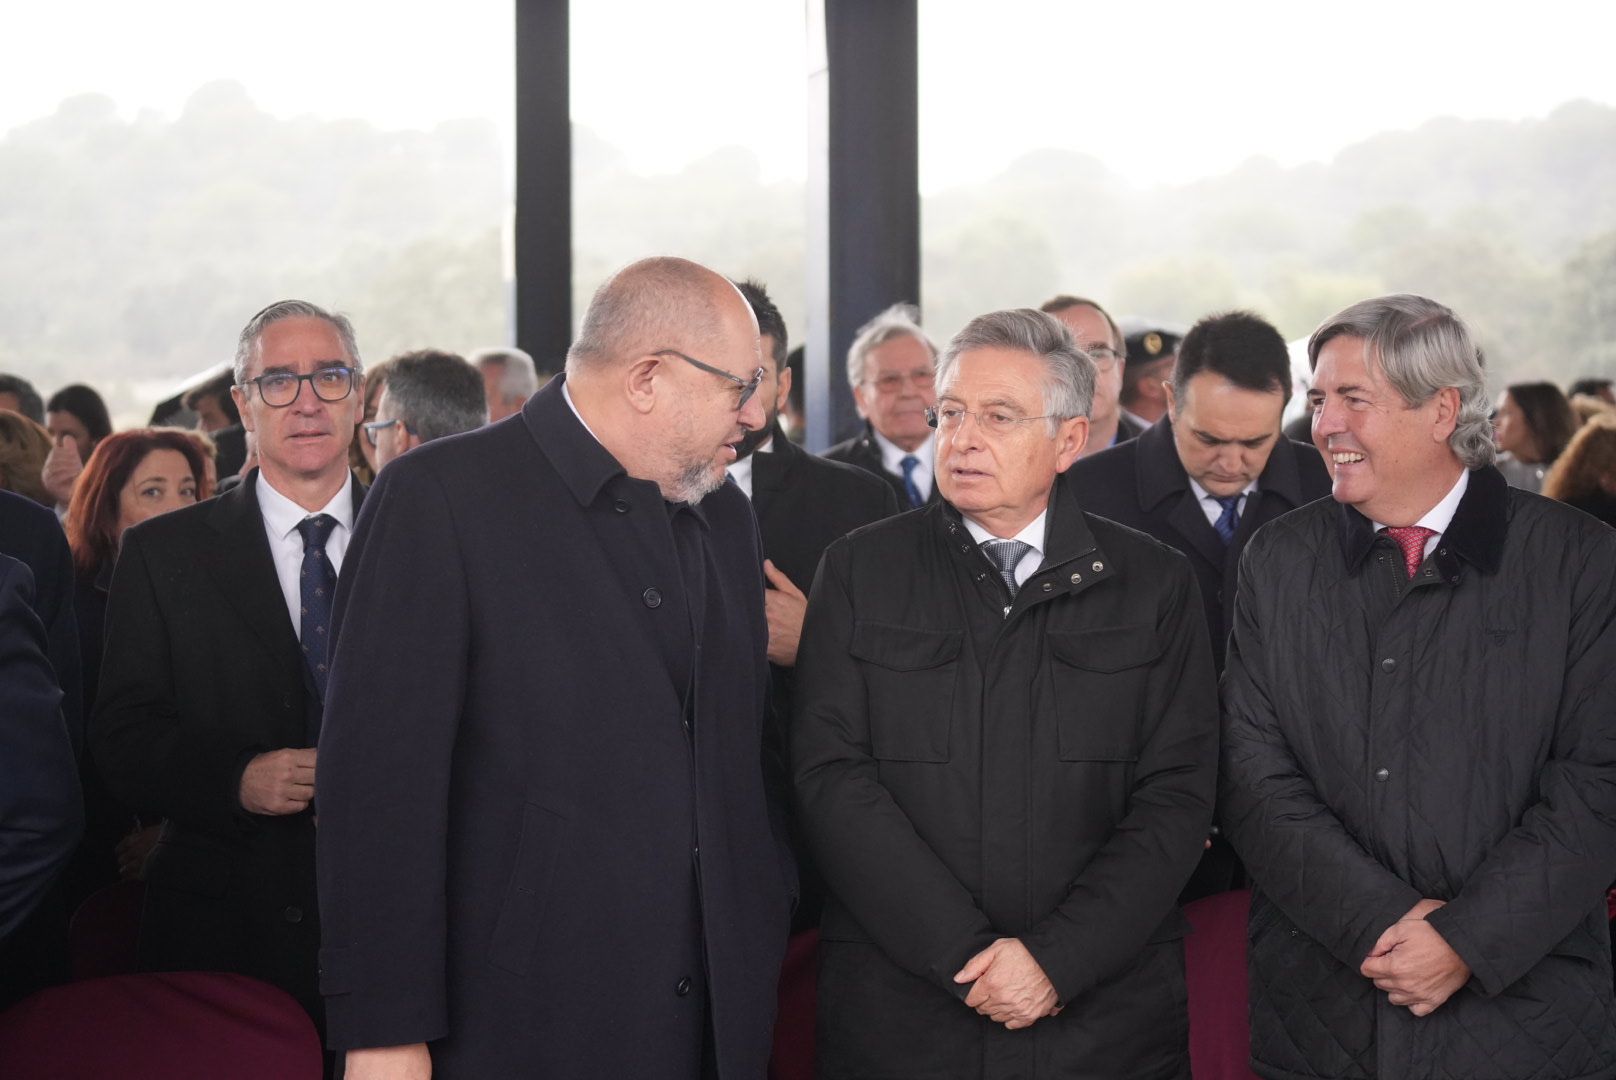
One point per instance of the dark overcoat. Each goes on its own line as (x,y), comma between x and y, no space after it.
(202,672)
(1448,738)
(965,772)
(1142,483)
(533,856)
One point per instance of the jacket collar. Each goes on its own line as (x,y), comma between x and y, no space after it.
(583,463)
(1073,559)
(1476,534)
(1161,475)
(769,471)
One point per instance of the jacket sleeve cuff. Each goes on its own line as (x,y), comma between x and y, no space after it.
(394,1013)
(1485,976)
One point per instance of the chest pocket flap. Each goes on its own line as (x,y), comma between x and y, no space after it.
(909,676)
(1100,684)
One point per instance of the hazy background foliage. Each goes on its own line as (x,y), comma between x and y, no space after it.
(132,249)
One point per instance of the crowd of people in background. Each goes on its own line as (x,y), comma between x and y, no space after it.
(390,628)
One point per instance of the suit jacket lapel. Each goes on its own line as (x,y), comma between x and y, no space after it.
(244,570)
(1164,488)
(769,472)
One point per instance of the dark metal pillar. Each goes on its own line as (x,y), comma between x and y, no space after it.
(543,228)
(864,189)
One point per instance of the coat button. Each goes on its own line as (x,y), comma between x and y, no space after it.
(1097,567)
(1388,665)
(1049,587)
(1077,578)
(684,986)
(652,598)
(620,506)
(1383,774)
(293,914)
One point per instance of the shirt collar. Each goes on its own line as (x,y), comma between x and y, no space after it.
(1032,535)
(567,395)
(1440,516)
(1202,494)
(892,454)
(282,516)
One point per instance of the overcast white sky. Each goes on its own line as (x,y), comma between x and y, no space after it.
(1162,92)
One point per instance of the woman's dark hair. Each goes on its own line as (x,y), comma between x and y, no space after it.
(87,405)
(1548,417)
(92,516)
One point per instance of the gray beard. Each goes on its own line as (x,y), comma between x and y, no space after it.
(696,481)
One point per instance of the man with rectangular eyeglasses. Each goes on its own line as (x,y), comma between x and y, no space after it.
(214,679)
(1004,747)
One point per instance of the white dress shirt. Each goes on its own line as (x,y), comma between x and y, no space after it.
(892,456)
(1440,516)
(281,519)
(1212,508)
(1032,535)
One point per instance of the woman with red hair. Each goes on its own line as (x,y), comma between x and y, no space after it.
(131,476)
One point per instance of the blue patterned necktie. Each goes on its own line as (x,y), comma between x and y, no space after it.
(1229,520)
(1004,555)
(316,583)
(910,463)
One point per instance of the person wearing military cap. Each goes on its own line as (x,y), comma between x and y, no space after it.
(1151,352)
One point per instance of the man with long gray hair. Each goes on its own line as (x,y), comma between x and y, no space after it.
(1419,763)
(1004,746)
(429,394)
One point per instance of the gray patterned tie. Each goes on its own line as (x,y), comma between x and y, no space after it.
(1004,555)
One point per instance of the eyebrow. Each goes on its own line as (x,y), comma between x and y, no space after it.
(319,365)
(1208,437)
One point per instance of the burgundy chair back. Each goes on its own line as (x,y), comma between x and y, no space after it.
(185,1025)
(104,936)
(1215,970)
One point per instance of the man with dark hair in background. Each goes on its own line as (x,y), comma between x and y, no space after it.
(1215,469)
(1097,334)
(216,414)
(429,394)
(802,503)
(18,395)
(214,677)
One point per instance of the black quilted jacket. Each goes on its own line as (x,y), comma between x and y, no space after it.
(1451,737)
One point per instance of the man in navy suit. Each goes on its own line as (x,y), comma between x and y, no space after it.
(211,687)
(546,842)
(41,811)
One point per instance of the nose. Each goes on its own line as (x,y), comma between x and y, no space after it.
(1326,421)
(307,400)
(968,435)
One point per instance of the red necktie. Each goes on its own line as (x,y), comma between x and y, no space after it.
(1411,538)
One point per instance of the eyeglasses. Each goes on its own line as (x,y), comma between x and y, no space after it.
(279,389)
(948,418)
(374,428)
(892,381)
(748,388)
(1103,355)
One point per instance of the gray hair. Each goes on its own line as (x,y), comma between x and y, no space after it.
(435,394)
(247,343)
(520,376)
(1421,347)
(1068,370)
(899,320)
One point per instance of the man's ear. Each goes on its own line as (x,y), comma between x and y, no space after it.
(639,382)
(783,394)
(1447,413)
(858,400)
(1070,438)
(239,396)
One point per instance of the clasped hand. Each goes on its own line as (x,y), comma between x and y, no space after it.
(1414,964)
(1010,987)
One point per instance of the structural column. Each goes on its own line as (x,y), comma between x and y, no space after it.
(863,189)
(542,237)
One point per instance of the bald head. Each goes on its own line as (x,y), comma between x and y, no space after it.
(656,303)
